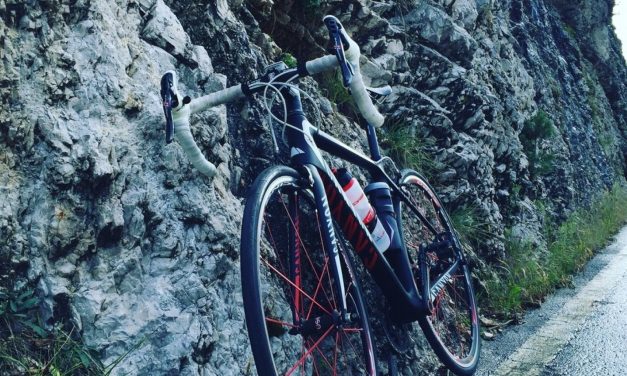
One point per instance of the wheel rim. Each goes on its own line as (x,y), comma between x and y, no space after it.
(453,322)
(306,333)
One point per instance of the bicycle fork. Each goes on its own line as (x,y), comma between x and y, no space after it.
(339,315)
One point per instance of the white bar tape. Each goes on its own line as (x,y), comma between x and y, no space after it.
(183,132)
(183,135)
(363,101)
(358,89)
(215,99)
(321,64)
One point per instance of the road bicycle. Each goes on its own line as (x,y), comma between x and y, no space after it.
(304,307)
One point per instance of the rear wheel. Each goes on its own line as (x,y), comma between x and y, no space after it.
(291,300)
(452,328)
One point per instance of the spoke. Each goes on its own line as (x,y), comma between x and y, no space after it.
(294,285)
(296,298)
(277,254)
(453,332)
(452,320)
(307,255)
(320,278)
(309,351)
(283,323)
(348,288)
(297,268)
(353,330)
(326,265)
(300,240)
(324,358)
(350,343)
(304,249)
(325,257)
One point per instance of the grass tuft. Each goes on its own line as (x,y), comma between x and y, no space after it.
(407,149)
(334,90)
(469,226)
(537,128)
(27,348)
(526,277)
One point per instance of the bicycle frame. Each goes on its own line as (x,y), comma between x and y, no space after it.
(397,283)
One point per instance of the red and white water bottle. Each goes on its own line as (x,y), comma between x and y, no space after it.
(362,207)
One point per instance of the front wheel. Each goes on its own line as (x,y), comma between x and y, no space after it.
(452,328)
(294,315)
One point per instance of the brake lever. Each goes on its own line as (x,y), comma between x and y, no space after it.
(339,40)
(170,100)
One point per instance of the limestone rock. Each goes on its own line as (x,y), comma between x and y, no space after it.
(116,229)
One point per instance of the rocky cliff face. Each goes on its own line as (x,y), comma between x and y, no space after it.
(520,101)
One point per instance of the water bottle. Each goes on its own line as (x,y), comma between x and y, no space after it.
(381,198)
(362,207)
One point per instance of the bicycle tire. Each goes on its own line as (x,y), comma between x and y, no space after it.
(286,286)
(452,328)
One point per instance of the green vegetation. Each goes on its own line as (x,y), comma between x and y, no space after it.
(527,277)
(471,229)
(312,4)
(407,149)
(516,189)
(289,60)
(592,100)
(570,30)
(487,17)
(27,348)
(539,127)
(556,90)
(334,90)
(313,9)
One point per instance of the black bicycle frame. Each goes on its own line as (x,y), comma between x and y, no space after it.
(396,282)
